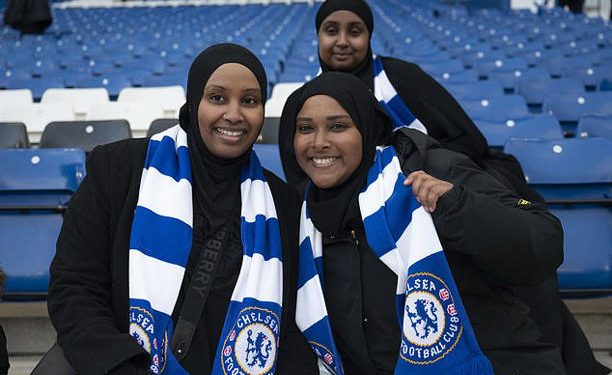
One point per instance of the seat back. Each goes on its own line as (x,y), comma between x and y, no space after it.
(161,124)
(35,187)
(269,131)
(269,156)
(536,127)
(284,89)
(596,125)
(81,99)
(575,178)
(36,116)
(139,115)
(13,135)
(84,134)
(12,98)
(169,98)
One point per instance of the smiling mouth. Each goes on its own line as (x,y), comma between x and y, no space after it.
(324,162)
(230,133)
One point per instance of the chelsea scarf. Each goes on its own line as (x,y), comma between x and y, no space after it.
(159,250)
(394,105)
(436,334)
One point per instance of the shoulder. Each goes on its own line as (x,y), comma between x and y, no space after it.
(118,155)
(393,65)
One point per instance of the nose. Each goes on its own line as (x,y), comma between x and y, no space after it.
(342,40)
(233,113)
(320,141)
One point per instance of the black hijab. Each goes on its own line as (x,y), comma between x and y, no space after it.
(333,209)
(362,10)
(216,180)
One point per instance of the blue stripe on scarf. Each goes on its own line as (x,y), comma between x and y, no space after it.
(319,337)
(178,167)
(307,270)
(271,248)
(164,236)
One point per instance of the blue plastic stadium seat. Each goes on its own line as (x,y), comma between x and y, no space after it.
(569,107)
(269,156)
(536,127)
(595,126)
(35,187)
(575,178)
(476,90)
(536,89)
(497,108)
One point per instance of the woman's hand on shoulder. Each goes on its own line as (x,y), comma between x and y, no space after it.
(427,189)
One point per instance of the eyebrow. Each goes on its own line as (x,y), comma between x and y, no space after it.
(330,118)
(218,87)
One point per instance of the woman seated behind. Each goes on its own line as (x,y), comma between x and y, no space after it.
(162,224)
(374,292)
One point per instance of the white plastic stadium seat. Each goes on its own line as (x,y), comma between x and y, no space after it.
(37,115)
(284,89)
(274,107)
(139,115)
(12,98)
(80,99)
(170,98)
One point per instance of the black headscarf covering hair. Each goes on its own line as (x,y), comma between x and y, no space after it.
(364,69)
(334,208)
(216,180)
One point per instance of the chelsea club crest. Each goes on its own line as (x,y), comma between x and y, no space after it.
(143,331)
(252,343)
(431,326)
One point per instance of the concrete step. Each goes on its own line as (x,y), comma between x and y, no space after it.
(30,333)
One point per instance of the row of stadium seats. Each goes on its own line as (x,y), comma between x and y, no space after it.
(572,174)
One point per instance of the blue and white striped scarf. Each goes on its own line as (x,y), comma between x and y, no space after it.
(387,96)
(436,334)
(159,250)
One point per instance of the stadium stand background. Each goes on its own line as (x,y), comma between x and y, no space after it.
(538,84)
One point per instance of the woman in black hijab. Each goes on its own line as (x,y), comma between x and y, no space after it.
(490,242)
(89,294)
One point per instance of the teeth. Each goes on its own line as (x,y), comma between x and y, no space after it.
(229,132)
(324,162)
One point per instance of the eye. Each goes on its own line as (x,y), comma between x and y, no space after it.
(338,127)
(250,101)
(331,30)
(356,31)
(216,98)
(304,128)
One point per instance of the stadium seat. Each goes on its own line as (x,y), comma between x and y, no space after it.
(84,134)
(139,115)
(36,116)
(12,98)
(284,89)
(475,91)
(269,131)
(170,98)
(35,187)
(269,156)
(161,124)
(538,127)
(595,126)
(536,89)
(274,107)
(575,178)
(13,135)
(80,99)
(498,108)
(569,107)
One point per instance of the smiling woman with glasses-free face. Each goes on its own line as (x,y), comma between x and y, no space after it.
(231,111)
(328,144)
(343,40)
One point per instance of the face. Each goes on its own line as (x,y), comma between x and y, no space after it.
(343,40)
(231,111)
(327,142)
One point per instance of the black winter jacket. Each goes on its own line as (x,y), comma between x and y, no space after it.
(493,241)
(88,293)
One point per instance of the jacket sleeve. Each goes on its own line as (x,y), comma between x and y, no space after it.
(80,290)
(514,240)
